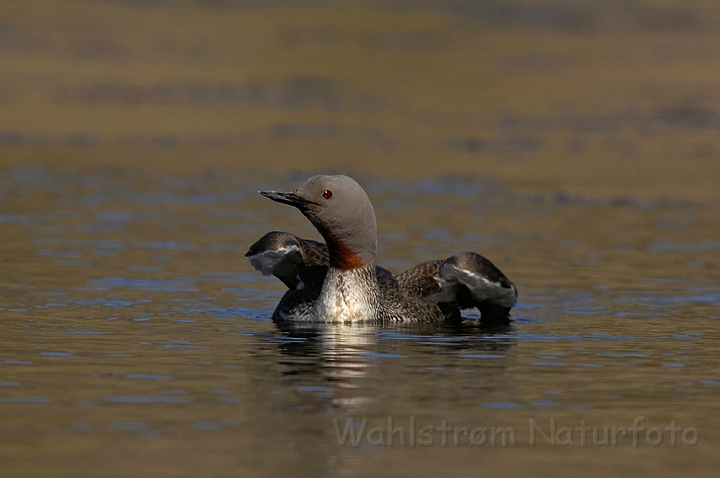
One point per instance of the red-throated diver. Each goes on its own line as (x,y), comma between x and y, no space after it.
(339,282)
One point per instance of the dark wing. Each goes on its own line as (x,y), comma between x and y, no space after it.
(462,281)
(298,263)
(423,280)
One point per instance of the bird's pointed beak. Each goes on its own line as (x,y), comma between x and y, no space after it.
(290,198)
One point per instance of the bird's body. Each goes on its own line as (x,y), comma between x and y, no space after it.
(339,281)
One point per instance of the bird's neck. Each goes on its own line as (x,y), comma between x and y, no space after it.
(343,257)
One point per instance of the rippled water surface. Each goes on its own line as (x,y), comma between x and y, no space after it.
(136,338)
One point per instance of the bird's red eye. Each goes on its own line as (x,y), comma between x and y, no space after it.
(327,194)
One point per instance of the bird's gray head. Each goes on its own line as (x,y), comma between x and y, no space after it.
(340,210)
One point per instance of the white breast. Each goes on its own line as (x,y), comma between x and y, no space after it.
(345,298)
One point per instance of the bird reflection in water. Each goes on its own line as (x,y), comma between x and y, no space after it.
(340,361)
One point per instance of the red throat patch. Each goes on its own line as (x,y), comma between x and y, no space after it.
(341,257)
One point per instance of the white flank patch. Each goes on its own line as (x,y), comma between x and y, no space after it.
(481,288)
(267,261)
(448,290)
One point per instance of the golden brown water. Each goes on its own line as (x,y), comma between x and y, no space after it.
(136,337)
(574,144)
